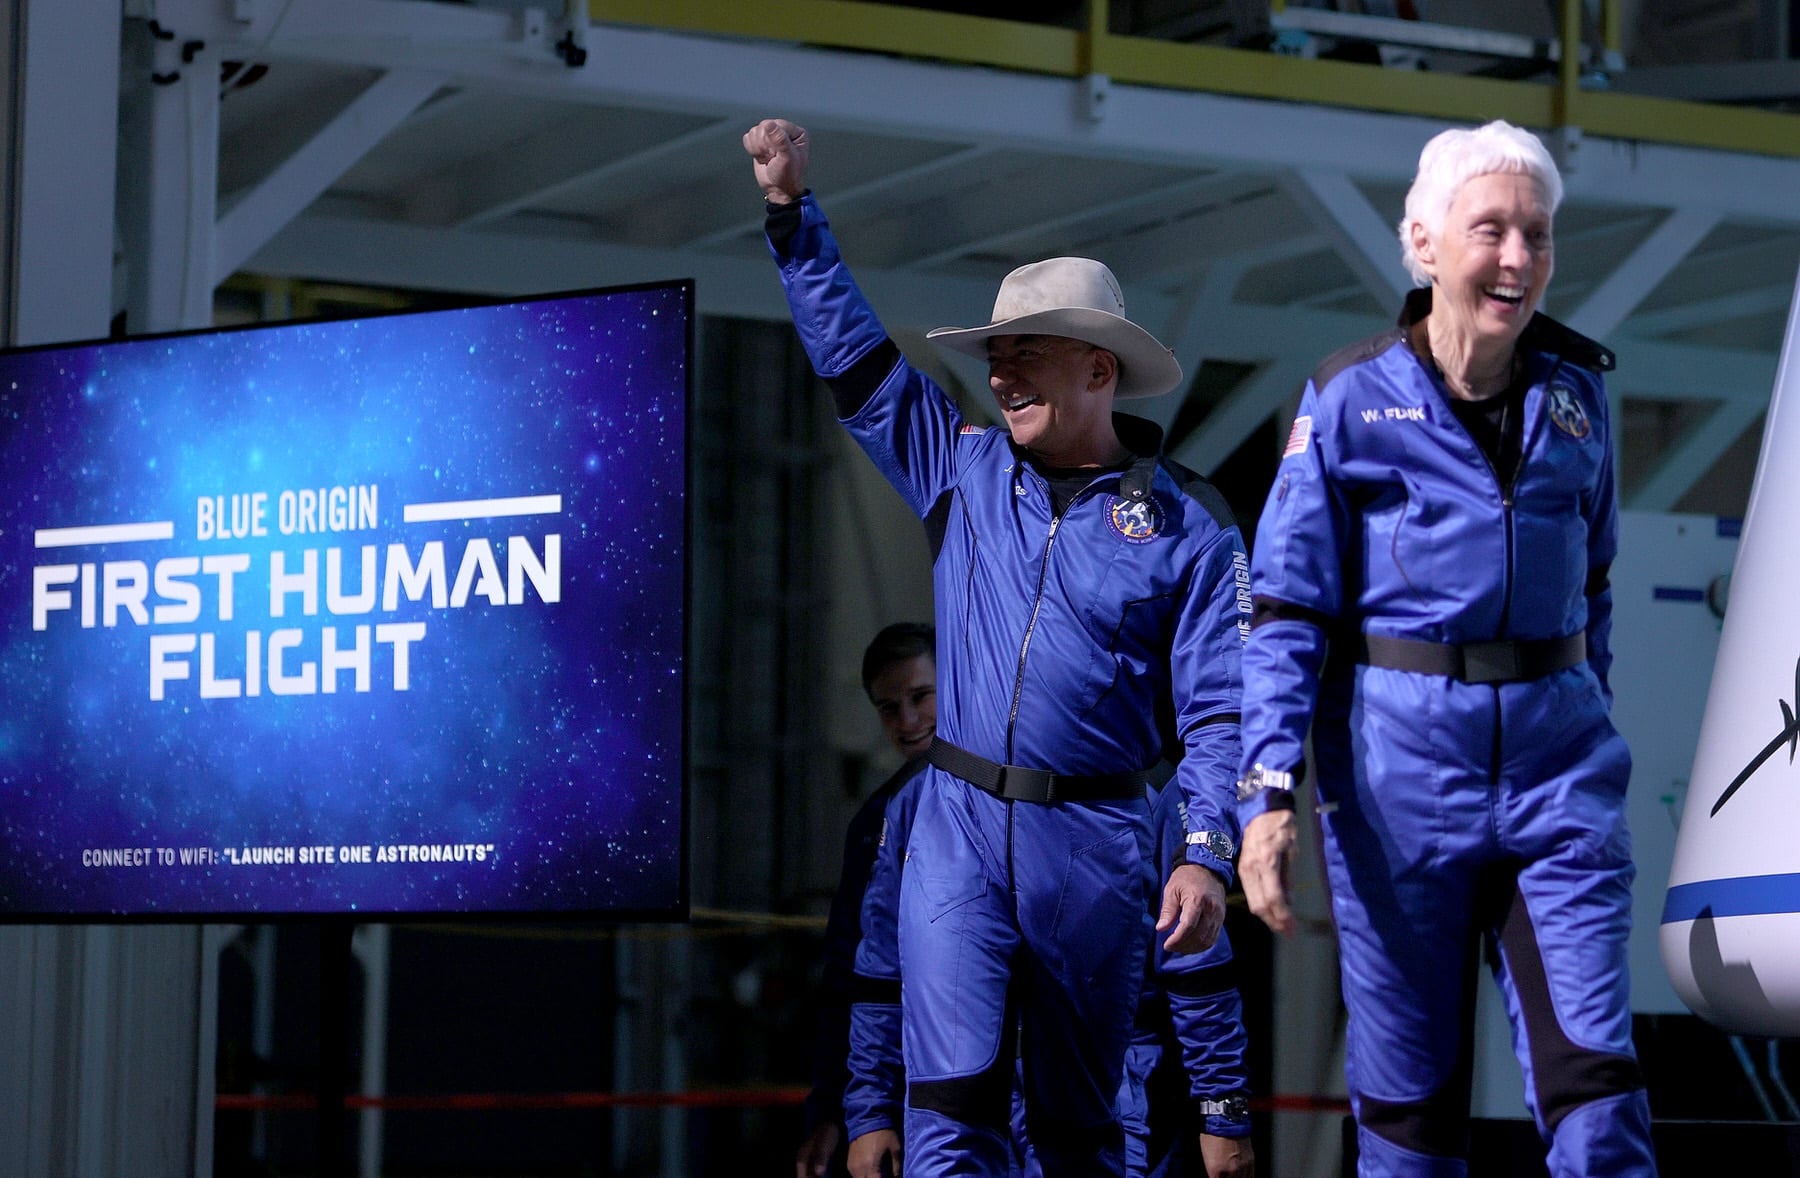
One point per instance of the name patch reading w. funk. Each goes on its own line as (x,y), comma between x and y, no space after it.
(1394,413)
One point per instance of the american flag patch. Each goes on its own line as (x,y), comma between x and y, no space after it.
(1299,437)
(969,428)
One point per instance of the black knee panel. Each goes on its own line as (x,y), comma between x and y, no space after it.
(1437,1126)
(1565,1074)
(984,1098)
(1578,1076)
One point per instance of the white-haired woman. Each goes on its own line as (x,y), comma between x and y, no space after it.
(1441,527)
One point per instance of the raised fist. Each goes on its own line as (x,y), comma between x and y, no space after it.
(778,149)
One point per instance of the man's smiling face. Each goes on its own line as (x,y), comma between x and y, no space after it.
(1052,392)
(905,696)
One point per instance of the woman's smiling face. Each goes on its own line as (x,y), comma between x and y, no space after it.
(1493,258)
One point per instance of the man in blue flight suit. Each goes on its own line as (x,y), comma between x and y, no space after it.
(899,675)
(1184,1099)
(1186,1096)
(1087,593)
(1441,526)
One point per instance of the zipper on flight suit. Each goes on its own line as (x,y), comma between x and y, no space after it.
(1505,487)
(1037,603)
(1528,431)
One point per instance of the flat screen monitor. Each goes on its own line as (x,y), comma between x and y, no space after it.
(374,617)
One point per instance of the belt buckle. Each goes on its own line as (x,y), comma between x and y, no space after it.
(1017,784)
(1492,662)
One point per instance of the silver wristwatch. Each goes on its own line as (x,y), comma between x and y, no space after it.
(1259,779)
(1235,1107)
(1215,841)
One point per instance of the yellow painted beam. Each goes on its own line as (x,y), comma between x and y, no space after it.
(1612,26)
(853,24)
(1249,74)
(1095,40)
(1688,124)
(1071,53)
(1568,64)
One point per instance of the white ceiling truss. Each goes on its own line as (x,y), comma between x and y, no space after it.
(412,144)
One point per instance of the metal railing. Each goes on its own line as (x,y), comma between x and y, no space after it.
(1570,101)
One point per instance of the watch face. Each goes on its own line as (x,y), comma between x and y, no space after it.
(1216,841)
(1232,1108)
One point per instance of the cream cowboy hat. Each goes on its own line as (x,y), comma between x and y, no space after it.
(1077,298)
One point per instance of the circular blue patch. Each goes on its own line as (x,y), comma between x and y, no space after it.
(1137,521)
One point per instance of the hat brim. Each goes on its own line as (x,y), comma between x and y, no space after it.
(1146,368)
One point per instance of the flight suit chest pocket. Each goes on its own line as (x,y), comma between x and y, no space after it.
(1565,464)
(1565,474)
(1129,625)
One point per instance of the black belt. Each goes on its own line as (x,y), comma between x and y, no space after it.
(1507,661)
(1017,783)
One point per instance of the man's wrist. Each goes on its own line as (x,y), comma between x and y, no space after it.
(1219,869)
(883,1118)
(782,223)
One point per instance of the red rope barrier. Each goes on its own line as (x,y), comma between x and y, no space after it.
(700,1098)
(476,1101)
(1300,1104)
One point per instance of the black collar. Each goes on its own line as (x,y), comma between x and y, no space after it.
(1144,441)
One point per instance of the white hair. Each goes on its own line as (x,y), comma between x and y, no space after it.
(1455,157)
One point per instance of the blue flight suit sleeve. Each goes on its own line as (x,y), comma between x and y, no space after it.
(1205,1007)
(875,1097)
(899,416)
(1208,1015)
(1601,509)
(1297,583)
(1206,671)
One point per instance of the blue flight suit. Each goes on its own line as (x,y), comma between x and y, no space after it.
(1078,645)
(839,985)
(1488,800)
(876,1093)
(1190,1027)
(1190,1003)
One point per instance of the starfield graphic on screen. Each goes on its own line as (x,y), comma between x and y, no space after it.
(377,616)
